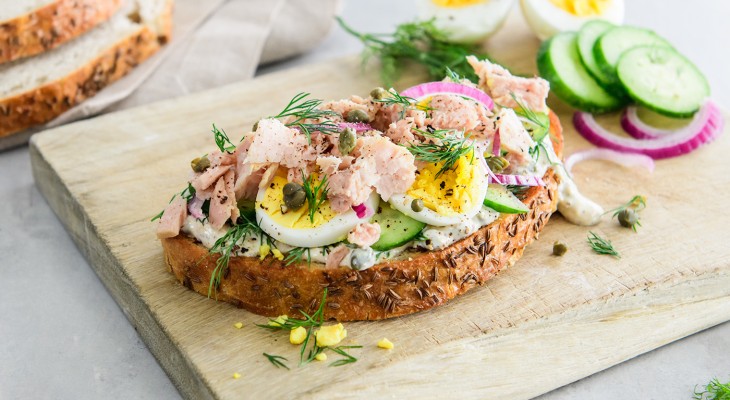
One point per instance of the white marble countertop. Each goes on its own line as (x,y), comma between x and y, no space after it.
(62,336)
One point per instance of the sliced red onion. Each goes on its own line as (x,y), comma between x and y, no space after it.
(357,126)
(496,144)
(637,128)
(433,88)
(519,180)
(361,210)
(195,207)
(625,159)
(705,126)
(483,162)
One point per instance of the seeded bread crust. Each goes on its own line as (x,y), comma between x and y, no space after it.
(51,25)
(392,288)
(52,99)
(389,289)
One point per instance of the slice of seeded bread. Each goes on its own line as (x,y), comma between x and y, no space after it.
(37,89)
(30,27)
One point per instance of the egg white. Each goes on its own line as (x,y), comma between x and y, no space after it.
(402,203)
(466,24)
(546,19)
(332,231)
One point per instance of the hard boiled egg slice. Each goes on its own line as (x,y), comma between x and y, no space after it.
(456,194)
(465,21)
(548,17)
(294,227)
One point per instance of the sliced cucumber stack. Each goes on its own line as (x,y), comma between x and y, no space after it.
(587,38)
(663,80)
(396,228)
(614,43)
(502,200)
(558,61)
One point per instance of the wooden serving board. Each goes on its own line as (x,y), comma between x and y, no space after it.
(547,321)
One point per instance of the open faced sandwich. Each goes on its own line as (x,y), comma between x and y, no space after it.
(393,203)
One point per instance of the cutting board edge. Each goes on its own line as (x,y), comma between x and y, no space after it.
(184,375)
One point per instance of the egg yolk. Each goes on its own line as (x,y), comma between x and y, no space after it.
(450,193)
(457,3)
(299,219)
(583,8)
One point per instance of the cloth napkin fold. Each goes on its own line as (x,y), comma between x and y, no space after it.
(215,42)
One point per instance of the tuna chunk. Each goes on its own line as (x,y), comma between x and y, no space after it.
(173,218)
(223,201)
(336,255)
(276,143)
(514,138)
(454,112)
(364,234)
(500,85)
(206,179)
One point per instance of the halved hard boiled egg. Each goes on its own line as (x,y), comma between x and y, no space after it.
(548,17)
(294,227)
(465,21)
(456,194)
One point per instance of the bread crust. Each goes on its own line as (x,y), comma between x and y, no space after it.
(46,102)
(389,289)
(51,25)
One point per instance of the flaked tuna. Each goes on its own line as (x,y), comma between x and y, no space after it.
(172,218)
(501,86)
(364,234)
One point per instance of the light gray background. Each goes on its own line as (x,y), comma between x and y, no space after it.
(63,337)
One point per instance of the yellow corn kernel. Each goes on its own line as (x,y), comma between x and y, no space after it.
(264,251)
(238,325)
(385,344)
(236,375)
(321,357)
(330,335)
(278,254)
(297,335)
(279,320)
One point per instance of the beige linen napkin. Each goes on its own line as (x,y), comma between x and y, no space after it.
(215,42)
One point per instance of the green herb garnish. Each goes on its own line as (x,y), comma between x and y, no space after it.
(297,255)
(421,42)
(188,193)
(227,244)
(445,149)
(404,101)
(537,125)
(303,109)
(276,360)
(222,141)
(316,193)
(601,245)
(713,391)
(348,358)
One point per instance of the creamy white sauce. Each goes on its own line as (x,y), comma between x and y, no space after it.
(438,237)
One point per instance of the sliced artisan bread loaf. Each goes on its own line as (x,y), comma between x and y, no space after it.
(29,27)
(35,90)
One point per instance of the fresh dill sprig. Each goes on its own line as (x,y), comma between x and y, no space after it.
(715,390)
(276,360)
(420,237)
(601,245)
(303,109)
(297,255)
(222,141)
(445,149)
(226,245)
(421,42)
(453,75)
(316,193)
(348,358)
(527,114)
(628,214)
(404,101)
(188,193)
(637,203)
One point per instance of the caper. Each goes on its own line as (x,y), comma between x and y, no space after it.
(362,258)
(378,93)
(497,164)
(347,141)
(417,205)
(559,249)
(200,164)
(628,218)
(294,196)
(357,115)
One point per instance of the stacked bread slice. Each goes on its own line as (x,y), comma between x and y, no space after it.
(64,51)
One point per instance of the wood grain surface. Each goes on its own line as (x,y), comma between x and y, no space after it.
(544,323)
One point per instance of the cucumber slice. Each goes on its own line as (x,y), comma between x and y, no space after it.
(612,44)
(537,124)
(502,200)
(559,62)
(587,38)
(663,80)
(396,228)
